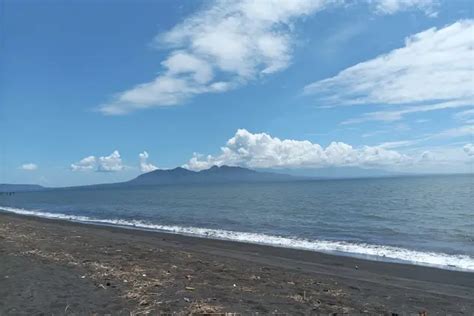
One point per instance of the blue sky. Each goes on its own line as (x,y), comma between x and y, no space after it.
(88,86)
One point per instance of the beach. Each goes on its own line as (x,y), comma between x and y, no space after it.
(60,267)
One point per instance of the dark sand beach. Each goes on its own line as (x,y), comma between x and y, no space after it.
(59,267)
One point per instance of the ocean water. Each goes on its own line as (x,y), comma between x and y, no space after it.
(426,220)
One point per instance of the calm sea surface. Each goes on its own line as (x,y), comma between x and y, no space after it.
(420,220)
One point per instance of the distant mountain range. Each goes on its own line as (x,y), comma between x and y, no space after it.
(215,174)
(220,174)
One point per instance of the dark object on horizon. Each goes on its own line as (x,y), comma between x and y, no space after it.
(215,174)
(12,188)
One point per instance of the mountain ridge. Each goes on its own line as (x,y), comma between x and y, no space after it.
(215,174)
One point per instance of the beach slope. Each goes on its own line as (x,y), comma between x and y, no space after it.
(59,267)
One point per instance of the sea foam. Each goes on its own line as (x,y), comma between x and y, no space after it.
(361,250)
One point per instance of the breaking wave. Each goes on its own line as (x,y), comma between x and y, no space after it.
(367,251)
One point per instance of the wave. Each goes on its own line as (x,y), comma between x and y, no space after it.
(366,251)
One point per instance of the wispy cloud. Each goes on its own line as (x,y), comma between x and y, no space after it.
(465,130)
(456,132)
(466,116)
(433,71)
(399,144)
(395,115)
(393,6)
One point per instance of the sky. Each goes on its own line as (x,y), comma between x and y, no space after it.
(102,91)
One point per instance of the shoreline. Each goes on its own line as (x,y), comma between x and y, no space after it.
(463,261)
(209,273)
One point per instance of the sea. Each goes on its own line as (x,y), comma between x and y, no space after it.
(421,220)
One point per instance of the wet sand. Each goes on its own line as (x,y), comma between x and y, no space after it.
(59,267)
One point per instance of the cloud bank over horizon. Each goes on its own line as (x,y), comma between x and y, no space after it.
(261,150)
(264,151)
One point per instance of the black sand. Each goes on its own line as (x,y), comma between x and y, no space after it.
(58,267)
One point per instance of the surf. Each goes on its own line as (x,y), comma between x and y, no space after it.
(361,250)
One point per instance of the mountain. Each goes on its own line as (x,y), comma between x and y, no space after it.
(215,174)
(20,187)
(338,172)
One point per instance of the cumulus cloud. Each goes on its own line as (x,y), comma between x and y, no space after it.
(226,45)
(29,167)
(145,166)
(261,150)
(433,71)
(87,163)
(111,163)
(469,149)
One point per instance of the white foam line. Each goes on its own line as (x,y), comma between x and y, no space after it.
(368,251)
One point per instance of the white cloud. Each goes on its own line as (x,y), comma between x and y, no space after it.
(433,71)
(440,159)
(226,45)
(395,115)
(111,163)
(466,130)
(456,132)
(465,116)
(469,149)
(393,6)
(145,166)
(399,144)
(29,167)
(87,163)
(219,48)
(261,150)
